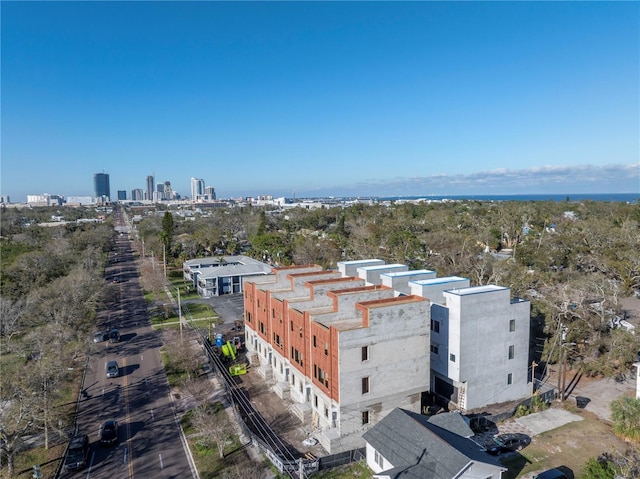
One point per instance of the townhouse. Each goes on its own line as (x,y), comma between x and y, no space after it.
(345,347)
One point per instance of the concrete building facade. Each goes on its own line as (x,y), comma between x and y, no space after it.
(345,347)
(334,347)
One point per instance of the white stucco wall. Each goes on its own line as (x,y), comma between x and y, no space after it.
(479,337)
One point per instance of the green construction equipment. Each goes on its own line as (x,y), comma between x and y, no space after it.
(229,350)
(238,369)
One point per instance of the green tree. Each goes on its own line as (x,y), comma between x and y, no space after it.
(598,469)
(166,235)
(625,415)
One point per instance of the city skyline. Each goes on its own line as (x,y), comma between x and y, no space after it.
(321,98)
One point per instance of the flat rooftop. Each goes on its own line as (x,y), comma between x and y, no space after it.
(409,273)
(477,289)
(443,280)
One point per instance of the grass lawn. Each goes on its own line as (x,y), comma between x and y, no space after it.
(200,311)
(570,445)
(356,469)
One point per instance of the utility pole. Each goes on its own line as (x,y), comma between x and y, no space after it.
(533,377)
(179,313)
(564,373)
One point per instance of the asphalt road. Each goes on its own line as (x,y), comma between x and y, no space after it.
(150,441)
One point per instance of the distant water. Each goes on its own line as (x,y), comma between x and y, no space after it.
(609,197)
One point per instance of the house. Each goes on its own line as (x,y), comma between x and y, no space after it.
(221,275)
(412,446)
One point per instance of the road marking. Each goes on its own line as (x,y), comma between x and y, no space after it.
(93,455)
(161,464)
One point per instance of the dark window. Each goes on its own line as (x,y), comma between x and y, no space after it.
(509,378)
(452,358)
(435,326)
(511,352)
(365,417)
(512,325)
(365,353)
(365,385)
(434,349)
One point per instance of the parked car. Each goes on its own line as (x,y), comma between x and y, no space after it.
(551,474)
(109,433)
(114,336)
(506,443)
(77,453)
(113,370)
(100,336)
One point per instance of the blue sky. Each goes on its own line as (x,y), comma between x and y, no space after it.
(321,98)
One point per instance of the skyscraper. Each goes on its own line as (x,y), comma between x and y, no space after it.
(137,194)
(150,187)
(210,192)
(101,186)
(197,188)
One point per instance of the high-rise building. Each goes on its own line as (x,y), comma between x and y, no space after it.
(137,194)
(167,191)
(197,188)
(150,188)
(122,195)
(210,193)
(101,186)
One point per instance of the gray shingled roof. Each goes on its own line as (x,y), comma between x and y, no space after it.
(420,447)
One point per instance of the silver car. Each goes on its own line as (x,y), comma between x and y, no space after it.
(113,371)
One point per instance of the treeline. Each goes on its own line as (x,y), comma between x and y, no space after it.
(52,283)
(573,260)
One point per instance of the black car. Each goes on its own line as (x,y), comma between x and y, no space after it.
(109,433)
(114,336)
(551,474)
(77,453)
(506,443)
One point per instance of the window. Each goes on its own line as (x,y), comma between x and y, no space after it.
(452,358)
(365,417)
(314,341)
(365,385)
(512,325)
(293,380)
(248,317)
(365,353)
(273,312)
(326,412)
(377,457)
(509,378)
(511,351)
(435,326)
(300,332)
(434,349)
(321,376)
(296,356)
(291,325)
(315,401)
(326,349)
(261,327)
